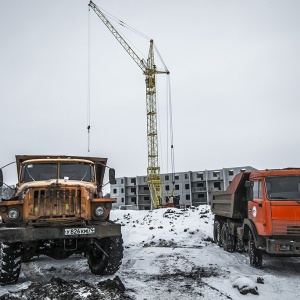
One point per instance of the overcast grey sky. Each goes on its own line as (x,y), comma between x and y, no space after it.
(234,66)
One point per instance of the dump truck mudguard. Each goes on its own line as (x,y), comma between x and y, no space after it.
(257,239)
(25,234)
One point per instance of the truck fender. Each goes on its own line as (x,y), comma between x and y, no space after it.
(248,225)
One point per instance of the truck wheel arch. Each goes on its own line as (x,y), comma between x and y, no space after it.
(249,226)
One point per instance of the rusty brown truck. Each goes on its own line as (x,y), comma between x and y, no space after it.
(260,212)
(58,210)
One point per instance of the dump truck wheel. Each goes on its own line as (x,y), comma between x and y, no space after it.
(217,233)
(105,255)
(10,262)
(255,254)
(227,239)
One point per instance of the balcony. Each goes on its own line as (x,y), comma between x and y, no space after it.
(198,189)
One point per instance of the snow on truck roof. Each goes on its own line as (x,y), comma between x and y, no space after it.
(42,160)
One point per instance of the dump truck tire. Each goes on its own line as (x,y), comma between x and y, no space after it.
(10,262)
(105,255)
(255,254)
(228,241)
(217,233)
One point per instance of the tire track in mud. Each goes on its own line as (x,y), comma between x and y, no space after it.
(174,275)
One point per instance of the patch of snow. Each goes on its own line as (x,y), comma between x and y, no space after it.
(244,285)
(169,253)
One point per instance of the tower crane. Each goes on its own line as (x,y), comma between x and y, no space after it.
(149,70)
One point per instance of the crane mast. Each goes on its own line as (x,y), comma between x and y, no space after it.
(150,71)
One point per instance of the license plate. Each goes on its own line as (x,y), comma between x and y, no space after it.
(79,231)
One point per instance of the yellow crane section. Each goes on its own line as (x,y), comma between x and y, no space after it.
(150,71)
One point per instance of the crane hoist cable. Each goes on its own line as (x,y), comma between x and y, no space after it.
(120,22)
(169,120)
(171,131)
(89,85)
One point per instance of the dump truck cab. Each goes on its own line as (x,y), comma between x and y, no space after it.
(274,208)
(260,211)
(58,210)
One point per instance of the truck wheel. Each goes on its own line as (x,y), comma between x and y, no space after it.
(227,239)
(217,233)
(255,254)
(10,262)
(105,255)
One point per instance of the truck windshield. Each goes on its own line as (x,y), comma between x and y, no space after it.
(36,172)
(45,171)
(283,187)
(79,171)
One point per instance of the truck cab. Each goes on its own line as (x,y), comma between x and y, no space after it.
(260,212)
(58,210)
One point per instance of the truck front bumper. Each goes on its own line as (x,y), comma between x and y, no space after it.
(283,247)
(26,234)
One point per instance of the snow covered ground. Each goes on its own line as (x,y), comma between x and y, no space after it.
(169,253)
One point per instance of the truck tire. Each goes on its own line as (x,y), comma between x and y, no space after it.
(255,254)
(217,233)
(105,255)
(10,262)
(228,240)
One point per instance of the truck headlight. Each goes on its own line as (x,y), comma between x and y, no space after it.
(99,211)
(13,214)
(285,248)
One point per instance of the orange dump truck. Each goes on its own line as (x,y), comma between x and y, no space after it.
(58,210)
(259,212)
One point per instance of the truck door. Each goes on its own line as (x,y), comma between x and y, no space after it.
(256,208)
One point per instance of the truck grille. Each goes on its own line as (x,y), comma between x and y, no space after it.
(283,227)
(56,203)
(293,230)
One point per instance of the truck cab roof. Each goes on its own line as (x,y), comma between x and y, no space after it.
(100,163)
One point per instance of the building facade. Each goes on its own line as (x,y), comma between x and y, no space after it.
(193,188)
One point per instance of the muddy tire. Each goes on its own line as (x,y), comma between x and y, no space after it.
(10,262)
(108,260)
(217,233)
(255,254)
(239,244)
(228,240)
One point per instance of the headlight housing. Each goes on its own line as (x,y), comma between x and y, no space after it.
(99,211)
(13,214)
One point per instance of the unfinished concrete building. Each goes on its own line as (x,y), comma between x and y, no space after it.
(193,188)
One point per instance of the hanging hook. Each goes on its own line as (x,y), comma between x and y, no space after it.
(88,128)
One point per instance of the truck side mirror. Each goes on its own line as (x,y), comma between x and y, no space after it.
(112,176)
(1,178)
